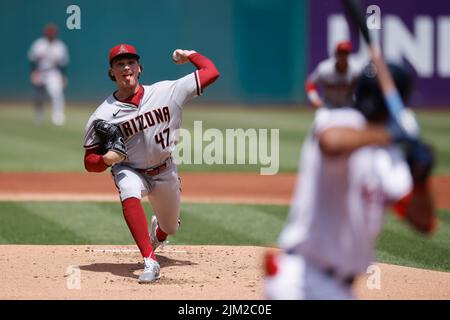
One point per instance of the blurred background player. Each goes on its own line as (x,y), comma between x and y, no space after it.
(351,168)
(337,76)
(49,58)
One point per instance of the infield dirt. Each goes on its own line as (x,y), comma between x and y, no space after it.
(188,272)
(196,187)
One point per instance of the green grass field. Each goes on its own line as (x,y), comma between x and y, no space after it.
(224,224)
(29,147)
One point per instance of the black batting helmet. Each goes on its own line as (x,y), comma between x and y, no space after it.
(369,98)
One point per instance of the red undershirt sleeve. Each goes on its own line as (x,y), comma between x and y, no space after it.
(401,205)
(93,162)
(207,71)
(310,86)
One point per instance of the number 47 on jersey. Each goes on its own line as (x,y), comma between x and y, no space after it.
(159,138)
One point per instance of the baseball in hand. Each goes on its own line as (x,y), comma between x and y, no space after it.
(180,56)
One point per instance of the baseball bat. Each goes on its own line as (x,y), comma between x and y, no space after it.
(405,118)
(356,15)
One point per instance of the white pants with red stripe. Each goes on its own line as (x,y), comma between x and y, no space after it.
(162,190)
(298,279)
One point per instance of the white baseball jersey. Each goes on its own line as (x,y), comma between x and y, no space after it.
(48,55)
(337,87)
(338,205)
(149,127)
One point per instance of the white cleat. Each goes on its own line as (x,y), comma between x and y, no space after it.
(151,271)
(154,239)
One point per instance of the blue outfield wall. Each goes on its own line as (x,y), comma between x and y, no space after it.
(262,48)
(257,45)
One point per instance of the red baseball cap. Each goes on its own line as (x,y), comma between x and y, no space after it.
(50,30)
(121,49)
(344,46)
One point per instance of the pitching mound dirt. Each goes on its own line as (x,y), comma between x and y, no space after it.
(187,272)
(403,283)
(111,272)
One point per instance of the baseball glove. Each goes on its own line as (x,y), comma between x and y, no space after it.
(111,138)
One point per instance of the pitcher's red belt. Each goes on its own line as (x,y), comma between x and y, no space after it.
(155,170)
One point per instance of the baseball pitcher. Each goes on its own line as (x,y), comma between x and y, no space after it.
(133,132)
